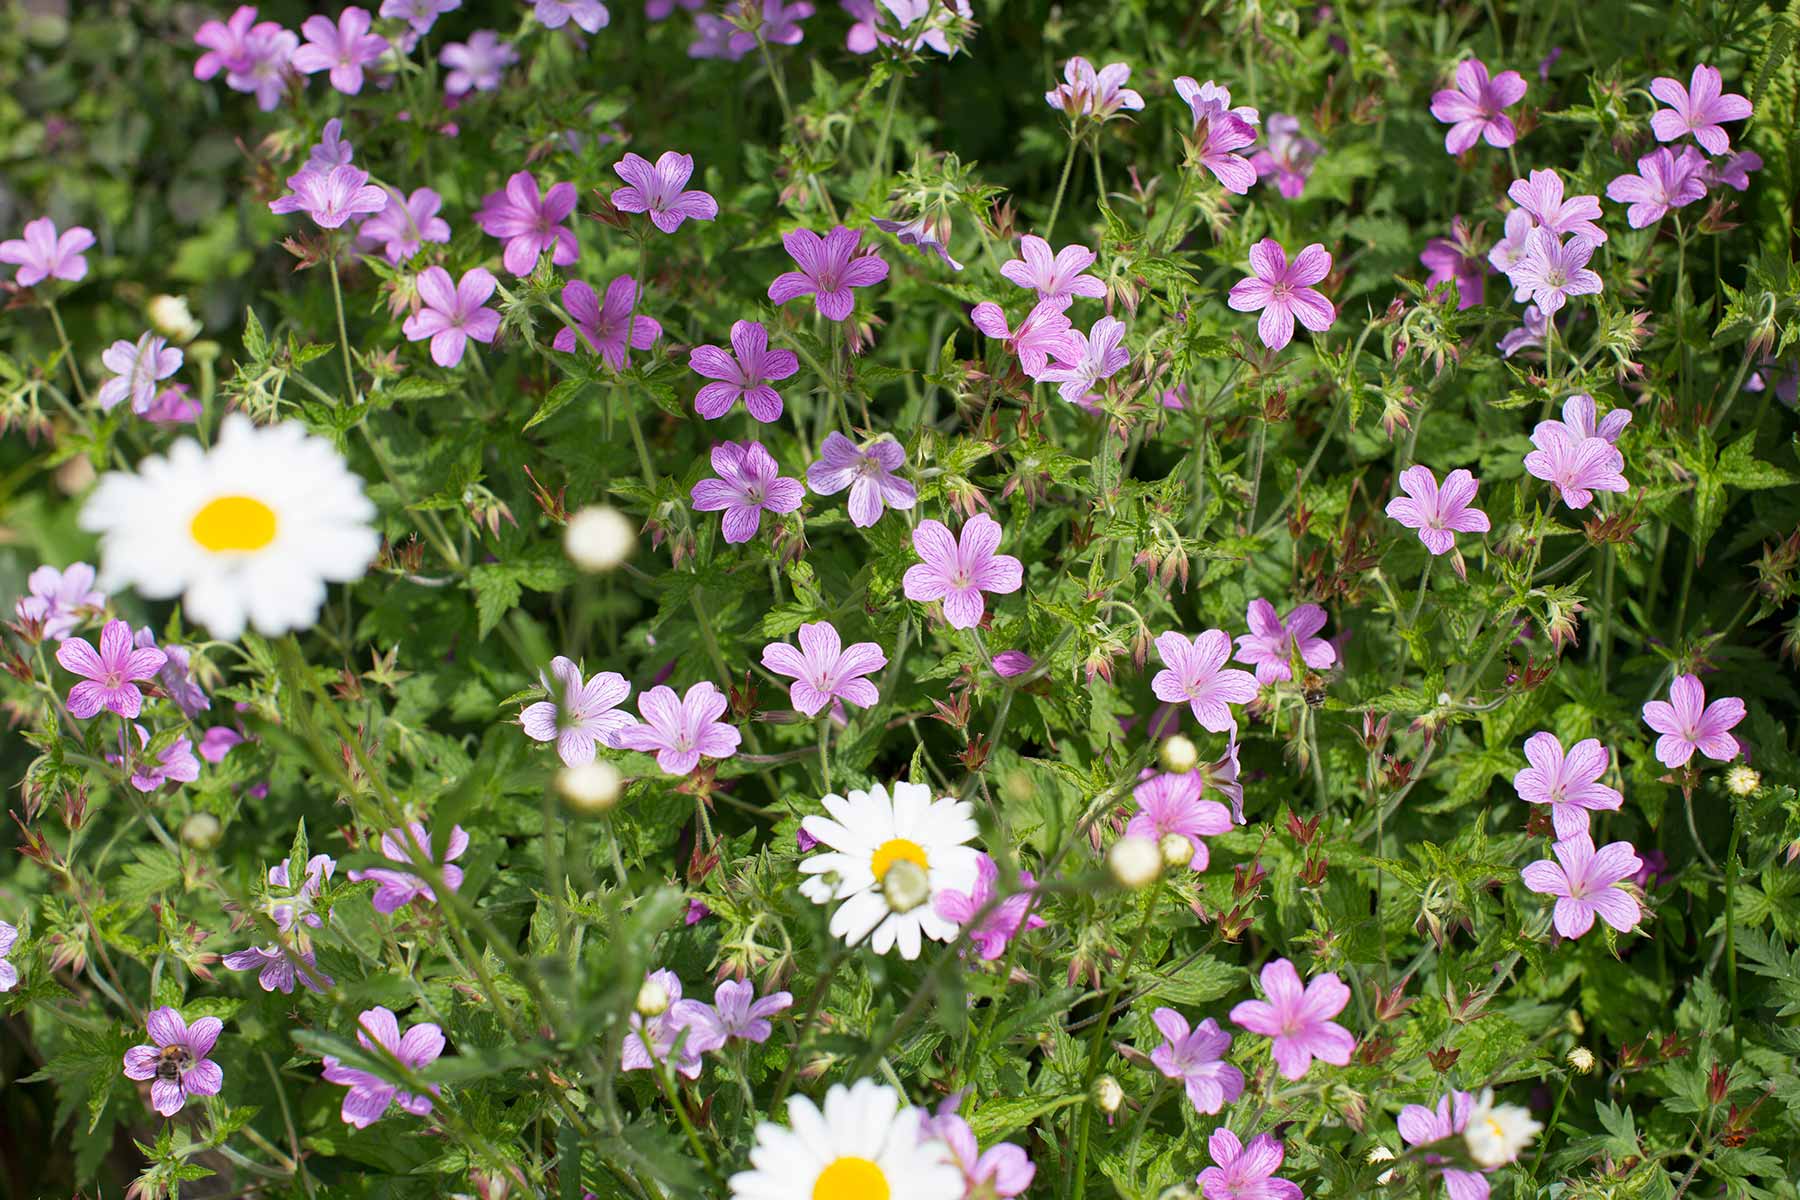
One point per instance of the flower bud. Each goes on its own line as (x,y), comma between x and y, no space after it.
(1176,850)
(1135,862)
(170,317)
(1180,755)
(905,885)
(1107,1095)
(201,831)
(1582,1059)
(599,538)
(1741,780)
(590,789)
(652,999)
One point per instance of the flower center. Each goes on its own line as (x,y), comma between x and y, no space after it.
(234,523)
(886,855)
(851,1178)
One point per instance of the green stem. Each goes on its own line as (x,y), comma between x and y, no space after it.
(337,299)
(1061,186)
(1731,874)
(68,350)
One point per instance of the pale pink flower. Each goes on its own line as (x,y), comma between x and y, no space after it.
(1664,181)
(278,969)
(743,374)
(476,65)
(174,763)
(405,225)
(137,368)
(331,150)
(1509,251)
(43,254)
(579,716)
(453,313)
(957,572)
(1569,784)
(110,675)
(1553,270)
(1578,420)
(530,223)
(929,231)
(1089,358)
(824,670)
(1282,291)
(1438,513)
(869,473)
(1273,641)
(225,43)
(343,48)
(263,71)
(1004,921)
(176,1061)
(780,24)
(1168,803)
(1698,109)
(749,481)
(60,599)
(601,324)
(1299,1020)
(681,730)
(1584,882)
(715,37)
(1058,276)
(1245,1171)
(1421,1126)
(1541,195)
(659,190)
(735,1014)
(1194,673)
(331,197)
(1732,171)
(651,1040)
(829,268)
(591,15)
(1687,723)
(410,847)
(1196,1056)
(998,1173)
(1456,257)
(1220,130)
(1474,109)
(1528,335)
(1098,95)
(1043,333)
(1576,467)
(370,1096)
(1287,154)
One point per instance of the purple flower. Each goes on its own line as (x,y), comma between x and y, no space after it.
(369,1097)
(1219,130)
(591,15)
(176,1060)
(60,599)
(1245,1172)
(929,231)
(420,15)
(1283,291)
(1168,803)
(1457,257)
(528,223)
(1473,109)
(957,572)
(1222,776)
(286,909)
(780,25)
(749,481)
(1438,513)
(1576,467)
(405,224)
(175,762)
(658,191)
(1299,1020)
(734,1013)
(262,70)
(660,10)
(743,374)
(410,847)
(331,150)
(1582,879)
(277,970)
(477,64)
(1088,358)
(1732,171)
(1698,109)
(1569,784)
(1687,723)
(823,670)
(696,913)
(666,1029)
(1197,1059)
(1541,195)
(909,24)
(42,254)
(1553,270)
(602,325)
(1009,664)
(1098,95)
(997,1173)
(343,49)
(1578,420)
(453,313)
(868,473)
(1288,155)
(331,197)
(1664,181)
(1273,641)
(579,715)
(9,974)
(136,370)
(217,742)
(1042,334)
(1058,276)
(717,38)
(1420,1126)
(682,730)
(1004,922)
(1509,251)
(1194,673)
(225,44)
(829,268)
(109,676)
(1530,333)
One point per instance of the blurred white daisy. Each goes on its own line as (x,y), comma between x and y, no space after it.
(1497,1133)
(864,1145)
(249,531)
(888,860)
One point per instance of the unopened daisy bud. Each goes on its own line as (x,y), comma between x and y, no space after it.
(1135,862)
(1582,1059)
(1496,1133)
(652,999)
(590,788)
(1381,1154)
(201,831)
(1180,755)
(1107,1095)
(599,538)
(170,317)
(1741,780)
(906,886)
(1176,850)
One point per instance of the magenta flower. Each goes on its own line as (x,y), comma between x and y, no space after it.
(530,223)
(1474,108)
(217,742)
(1438,513)
(278,970)
(1553,270)
(1089,358)
(749,481)
(136,370)
(60,599)
(343,49)
(1576,467)
(1194,673)
(829,268)
(660,10)
(602,325)
(225,44)
(1220,130)
(1010,664)
(331,197)
(1569,784)
(657,190)
(1698,109)
(1168,803)
(957,572)
(42,254)
(823,670)
(1245,1172)
(735,1013)
(453,313)
(1288,155)
(1687,723)
(591,15)
(869,473)
(1196,1058)
(1458,258)
(1529,334)
(578,716)
(1000,1172)
(411,847)
(477,64)
(668,1029)
(1043,333)
(263,74)
(1578,420)
(9,974)
(176,1059)
(173,406)
(405,224)
(1732,171)
(370,1096)
(1098,95)
(1664,181)
(743,374)
(780,25)
(173,763)
(1058,276)
(111,675)
(1004,922)
(1583,881)
(1283,291)
(1273,641)
(1299,1020)
(679,731)
(1421,1126)
(1541,195)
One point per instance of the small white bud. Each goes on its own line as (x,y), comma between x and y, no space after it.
(1107,1095)
(905,886)
(599,538)
(171,318)
(590,788)
(1135,862)
(1176,850)
(1180,755)
(1741,780)
(1582,1059)
(652,999)
(201,831)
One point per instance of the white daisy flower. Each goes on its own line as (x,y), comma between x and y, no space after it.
(1497,1133)
(918,839)
(249,531)
(864,1146)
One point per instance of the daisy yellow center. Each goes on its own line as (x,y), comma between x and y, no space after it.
(234,523)
(851,1178)
(886,855)
(1494,1129)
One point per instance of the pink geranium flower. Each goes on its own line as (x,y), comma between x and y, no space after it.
(824,670)
(1196,1058)
(1098,95)
(749,482)
(331,197)
(1687,723)
(1168,803)
(929,231)
(1579,420)
(476,65)
(278,969)
(264,68)
(174,763)
(601,325)
(1058,276)
(1282,291)
(43,254)
(998,1173)
(60,599)
(1005,921)
(370,1095)
(591,15)
(1553,270)
(1456,257)
(651,1040)
(331,150)
(453,313)
(1576,467)
(1219,131)
(1584,882)
(1664,181)
(579,716)
(735,1014)
(530,223)
(1273,641)
(680,730)
(742,374)
(407,223)
(1245,1171)
(175,1062)
(1732,171)
(1194,673)
(1474,108)
(1438,513)
(1089,358)
(829,268)
(869,473)
(420,15)
(1530,333)
(1287,154)
(411,847)
(1541,195)
(780,24)
(658,191)
(1421,1126)
(1043,334)
(136,369)
(1569,784)
(1698,109)
(225,43)
(957,572)
(1299,1019)
(110,675)
(343,48)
